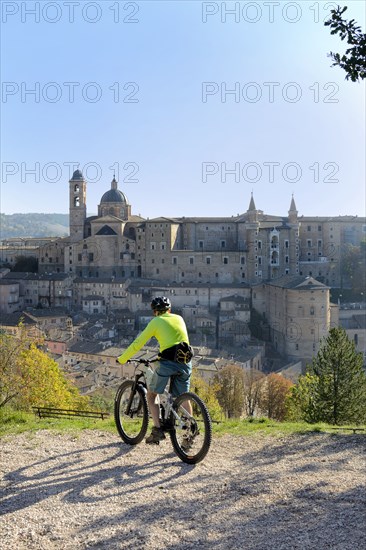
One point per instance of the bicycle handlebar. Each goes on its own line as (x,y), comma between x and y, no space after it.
(143,361)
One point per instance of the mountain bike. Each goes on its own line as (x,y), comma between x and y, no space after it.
(190,434)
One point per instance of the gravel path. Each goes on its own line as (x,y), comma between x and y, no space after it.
(91,491)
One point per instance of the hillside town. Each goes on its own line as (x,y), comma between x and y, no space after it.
(254,289)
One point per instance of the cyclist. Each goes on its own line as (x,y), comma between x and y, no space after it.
(174,358)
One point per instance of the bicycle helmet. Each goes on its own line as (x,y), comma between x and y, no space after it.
(161,303)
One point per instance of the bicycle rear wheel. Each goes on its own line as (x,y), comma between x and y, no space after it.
(191,437)
(132,424)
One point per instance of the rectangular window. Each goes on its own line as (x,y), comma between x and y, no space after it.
(191,261)
(286,244)
(223,244)
(79,257)
(242,260)
(174,260)
(309,243)
(226,260)
(200,244)
(309,227)
(208,260)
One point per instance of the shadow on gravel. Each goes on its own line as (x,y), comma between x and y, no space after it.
(279,497)
(312,447)
(239,511)
(303,522)
(67,474)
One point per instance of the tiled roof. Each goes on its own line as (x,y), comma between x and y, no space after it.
(86,347)
(298,282)
(13,319)
(49,312)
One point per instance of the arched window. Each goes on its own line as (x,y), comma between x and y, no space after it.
(77,201)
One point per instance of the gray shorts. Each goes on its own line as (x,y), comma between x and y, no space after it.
(179,373)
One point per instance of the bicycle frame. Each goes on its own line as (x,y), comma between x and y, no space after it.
(167,406)
(190,432)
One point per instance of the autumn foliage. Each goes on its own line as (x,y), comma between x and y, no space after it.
(275,391)
(29,377)
(249,392)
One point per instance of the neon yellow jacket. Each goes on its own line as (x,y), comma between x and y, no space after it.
(169,329)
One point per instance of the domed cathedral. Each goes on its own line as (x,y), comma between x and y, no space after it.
(114,203)
(107,247)
(98,246)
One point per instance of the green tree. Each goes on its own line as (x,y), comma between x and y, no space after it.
(230,393)
(300,400)
(29,377)
(334,387)
(353,61)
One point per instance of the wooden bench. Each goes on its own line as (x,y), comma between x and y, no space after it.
(354,430)
(49,412)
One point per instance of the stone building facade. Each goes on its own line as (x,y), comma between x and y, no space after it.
(298,313)
(214,269)
(245,249)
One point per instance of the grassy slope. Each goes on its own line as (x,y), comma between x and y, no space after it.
(18,422)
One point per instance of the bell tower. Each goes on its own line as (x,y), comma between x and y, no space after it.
(77,206)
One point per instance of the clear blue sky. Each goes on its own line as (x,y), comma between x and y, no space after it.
(167,124)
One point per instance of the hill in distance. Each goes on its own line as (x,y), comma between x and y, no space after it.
(33,225)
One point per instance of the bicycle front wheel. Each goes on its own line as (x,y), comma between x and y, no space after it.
(131,421)
(191,437)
